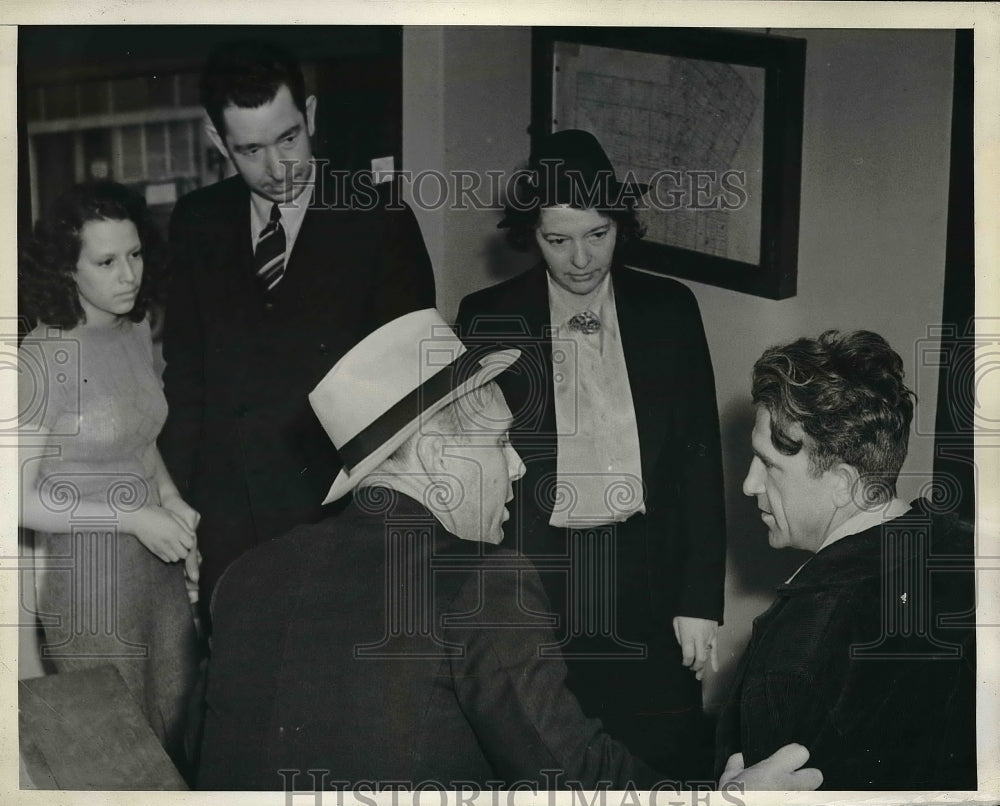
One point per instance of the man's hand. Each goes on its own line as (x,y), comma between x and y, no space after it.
(697,637)
(779,772)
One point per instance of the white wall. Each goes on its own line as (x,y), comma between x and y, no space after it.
(466,107)
(871,247)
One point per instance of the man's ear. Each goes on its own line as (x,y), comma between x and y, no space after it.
(846,486)
(430,452)
(216,139)
(311,114)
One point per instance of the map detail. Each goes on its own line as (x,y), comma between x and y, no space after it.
(672,114)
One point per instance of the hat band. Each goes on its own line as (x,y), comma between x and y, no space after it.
(409,408)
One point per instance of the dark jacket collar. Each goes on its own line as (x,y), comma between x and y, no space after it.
(531,290)
(860,556)
(533,296)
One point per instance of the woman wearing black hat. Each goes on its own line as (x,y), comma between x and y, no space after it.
(622,506)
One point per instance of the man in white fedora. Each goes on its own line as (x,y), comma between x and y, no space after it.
(392,645)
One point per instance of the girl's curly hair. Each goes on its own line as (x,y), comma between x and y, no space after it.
(47,290)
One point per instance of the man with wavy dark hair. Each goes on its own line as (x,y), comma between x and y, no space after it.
(867,656)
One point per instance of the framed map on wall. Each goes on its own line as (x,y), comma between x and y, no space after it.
(711,120)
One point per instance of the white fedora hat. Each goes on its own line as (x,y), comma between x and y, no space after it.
(375,397)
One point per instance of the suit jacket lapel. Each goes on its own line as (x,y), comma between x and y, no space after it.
(234,247)
(536,304)
(539,326)
(648,368)
(314,246)
(311,242)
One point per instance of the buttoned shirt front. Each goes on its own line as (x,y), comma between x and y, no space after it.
(598,464)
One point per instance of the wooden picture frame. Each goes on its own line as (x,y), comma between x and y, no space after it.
(713,118)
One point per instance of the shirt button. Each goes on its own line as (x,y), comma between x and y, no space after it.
(268,306)
(323,349)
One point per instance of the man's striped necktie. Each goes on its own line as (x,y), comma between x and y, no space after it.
(269,257)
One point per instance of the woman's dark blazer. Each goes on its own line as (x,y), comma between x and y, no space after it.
(673,391)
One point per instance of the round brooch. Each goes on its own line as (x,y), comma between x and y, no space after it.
(585,322)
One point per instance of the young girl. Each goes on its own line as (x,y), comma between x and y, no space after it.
(114,537)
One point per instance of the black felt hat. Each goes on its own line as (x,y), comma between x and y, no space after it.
(570,167)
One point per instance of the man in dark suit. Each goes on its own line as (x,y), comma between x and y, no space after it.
(615,416)
(868,654)
(395,645)
(274,275)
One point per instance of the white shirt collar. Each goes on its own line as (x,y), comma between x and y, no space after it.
(859,522)
(292,212)
(563,304)
(866,519)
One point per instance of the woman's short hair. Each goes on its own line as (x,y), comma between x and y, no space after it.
(47,289)
(570,167)
(521,224)
(846,392)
